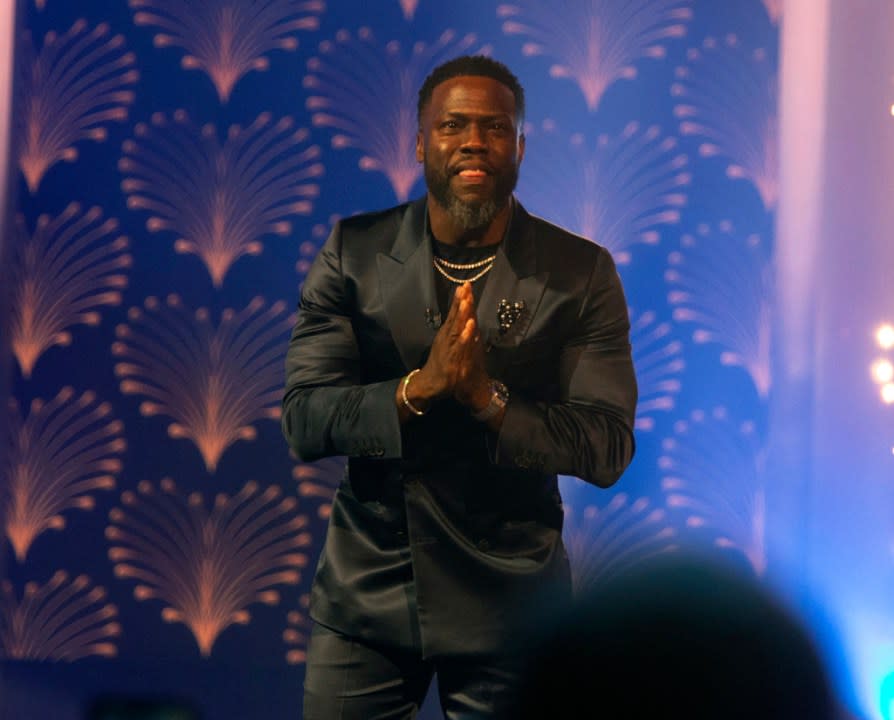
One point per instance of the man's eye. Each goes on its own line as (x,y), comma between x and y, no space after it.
(450,124)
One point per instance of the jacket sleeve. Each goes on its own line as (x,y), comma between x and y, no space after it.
(327,410)
(588,433)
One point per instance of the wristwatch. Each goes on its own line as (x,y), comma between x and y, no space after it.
(499,396)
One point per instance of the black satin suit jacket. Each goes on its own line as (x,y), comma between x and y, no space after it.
(441,518)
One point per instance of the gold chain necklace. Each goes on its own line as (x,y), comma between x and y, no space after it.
(465,266)
(460,281)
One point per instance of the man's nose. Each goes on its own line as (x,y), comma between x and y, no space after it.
(475,139)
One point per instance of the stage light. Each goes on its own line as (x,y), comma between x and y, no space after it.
(882,371)
(885,336)
(886,699)
(888,393)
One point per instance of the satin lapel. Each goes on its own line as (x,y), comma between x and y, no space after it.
(515,279)
(408,289)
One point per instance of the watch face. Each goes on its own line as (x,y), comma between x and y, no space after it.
(499,396)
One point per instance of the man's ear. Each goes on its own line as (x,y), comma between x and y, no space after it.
(521,147)
(420,146)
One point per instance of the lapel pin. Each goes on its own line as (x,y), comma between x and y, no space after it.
(507,313)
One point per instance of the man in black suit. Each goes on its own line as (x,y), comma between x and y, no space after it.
(461,353)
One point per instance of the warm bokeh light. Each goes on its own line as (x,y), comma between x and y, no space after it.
(885,336)
(882,371)
(888,393)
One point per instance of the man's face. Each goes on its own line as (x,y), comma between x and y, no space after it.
(471,148)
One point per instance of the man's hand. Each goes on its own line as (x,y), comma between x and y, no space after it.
(472,387)
(449,351)
(455,365)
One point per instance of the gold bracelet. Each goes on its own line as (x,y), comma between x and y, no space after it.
(403,394)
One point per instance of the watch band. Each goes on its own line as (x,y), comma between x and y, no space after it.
(499,396)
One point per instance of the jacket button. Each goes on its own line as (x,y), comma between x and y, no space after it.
(483,545)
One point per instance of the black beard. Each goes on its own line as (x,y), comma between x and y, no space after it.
(470,215)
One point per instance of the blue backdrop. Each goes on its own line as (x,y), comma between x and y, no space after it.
(177,167)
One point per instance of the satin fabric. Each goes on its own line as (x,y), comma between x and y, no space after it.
(444,534)
(348,679)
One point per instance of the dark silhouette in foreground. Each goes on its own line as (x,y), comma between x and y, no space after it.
(682,637)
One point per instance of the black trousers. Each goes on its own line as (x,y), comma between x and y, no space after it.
(349,679)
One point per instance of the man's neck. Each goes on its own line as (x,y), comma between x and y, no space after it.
(445,229)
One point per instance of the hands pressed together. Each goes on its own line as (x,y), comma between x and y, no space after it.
(455,366)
